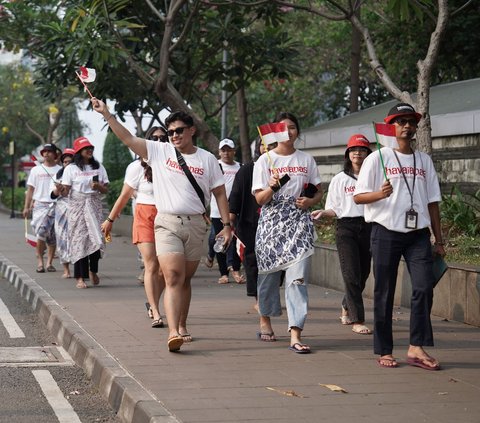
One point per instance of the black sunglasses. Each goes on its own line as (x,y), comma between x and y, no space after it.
(404,121)
(178,131)
(161,138)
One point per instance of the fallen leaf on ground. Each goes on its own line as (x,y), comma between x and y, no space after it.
(286,393)
(334,388)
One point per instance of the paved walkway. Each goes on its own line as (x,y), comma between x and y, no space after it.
(226,374)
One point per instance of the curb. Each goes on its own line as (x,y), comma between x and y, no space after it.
(130,400)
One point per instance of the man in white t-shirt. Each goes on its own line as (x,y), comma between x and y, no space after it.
(180,226)
(228,260)
(401,195)
(39,202)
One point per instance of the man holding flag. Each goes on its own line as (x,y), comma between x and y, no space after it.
(43,213)
(400,190)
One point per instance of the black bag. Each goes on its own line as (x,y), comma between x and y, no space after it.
(309,190)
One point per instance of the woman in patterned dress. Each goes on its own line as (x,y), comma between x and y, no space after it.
(285,233)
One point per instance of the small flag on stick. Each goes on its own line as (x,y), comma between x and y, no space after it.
(240,249)
(86,75)
(386,135)
(274,132)
(30,239)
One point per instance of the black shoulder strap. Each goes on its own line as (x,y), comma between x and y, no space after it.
(191,178)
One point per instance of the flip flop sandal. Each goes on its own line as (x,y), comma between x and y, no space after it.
(158,323)
(418,362)
(266,337)
(238,277)
(361,330)
(40,269)
(223,280)
(393,362)
(186,337)
(174,343)
(209,262)
(51,269)
(299,348)
(81,285)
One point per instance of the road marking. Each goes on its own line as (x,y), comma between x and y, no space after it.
(61,407)
(9,322)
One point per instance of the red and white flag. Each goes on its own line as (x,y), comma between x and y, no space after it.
(385,134)
(31,239)
(274,132)
(240,249)
(87,74)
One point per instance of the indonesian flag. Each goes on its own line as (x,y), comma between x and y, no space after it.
(274,132)
(34,160)
(240,249)
(87,74)
(385,134)
(31,239)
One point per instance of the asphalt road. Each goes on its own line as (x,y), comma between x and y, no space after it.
(38,381)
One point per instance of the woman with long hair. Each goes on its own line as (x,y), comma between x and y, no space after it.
(85,180)
(352,233)
(285,233)
(138,178)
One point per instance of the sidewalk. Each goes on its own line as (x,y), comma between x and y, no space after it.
(226,374)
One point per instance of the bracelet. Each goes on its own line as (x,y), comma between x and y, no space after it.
(227,224)
(106,120)
(109,220)
(439,243)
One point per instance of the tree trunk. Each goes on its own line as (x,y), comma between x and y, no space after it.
(355,68)
(243,125)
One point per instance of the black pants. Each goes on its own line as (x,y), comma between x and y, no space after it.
(387,249)
(85,265)
(247,234)
(353,245)
(230,255)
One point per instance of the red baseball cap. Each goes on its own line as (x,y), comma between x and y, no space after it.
(67,152)
(402,109)
(358,140)
(81,143)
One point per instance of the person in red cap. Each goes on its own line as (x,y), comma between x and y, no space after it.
(401,196)
(352,234)
(43,213)
(84,181)
(61,207)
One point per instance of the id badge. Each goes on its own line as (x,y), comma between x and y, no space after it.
(411,218)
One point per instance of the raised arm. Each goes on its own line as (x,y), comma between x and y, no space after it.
(136,144)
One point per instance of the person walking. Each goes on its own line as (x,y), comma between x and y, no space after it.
(228,260)
(285,233)
(84,181)
(138,178)
(244,214)
(42,207)
(401,209)
(352,233)
(180,198)
(61,208)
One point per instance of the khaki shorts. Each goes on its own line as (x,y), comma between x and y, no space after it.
(181,234)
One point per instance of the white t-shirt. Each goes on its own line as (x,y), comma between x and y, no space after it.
(135,178)
(173,192)
(79,180)
(300,166)
(40,179)
(340,197)
(390,212)
(229,172)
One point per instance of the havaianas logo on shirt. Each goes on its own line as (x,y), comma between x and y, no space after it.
(407,170)
(291,169)
(176,166)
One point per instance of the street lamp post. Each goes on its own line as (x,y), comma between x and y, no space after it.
(11,150)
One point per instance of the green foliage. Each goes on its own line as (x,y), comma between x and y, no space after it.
(114,190)
(462,212)
(116,157)
(18,198)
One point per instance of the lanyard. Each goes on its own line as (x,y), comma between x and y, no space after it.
(410,191)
